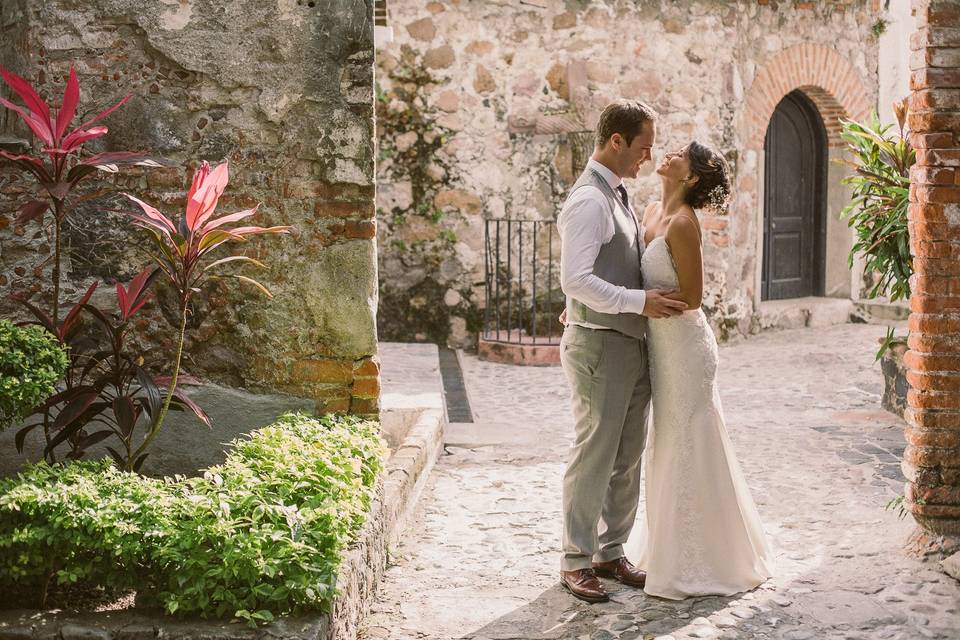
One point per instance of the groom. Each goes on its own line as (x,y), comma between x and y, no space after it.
(603,352)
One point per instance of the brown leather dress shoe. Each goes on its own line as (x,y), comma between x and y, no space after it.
(622,571)
(583,584)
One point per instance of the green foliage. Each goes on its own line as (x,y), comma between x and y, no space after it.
(263,532)
(85,522)
(899,504)
(878,211)
(31,363)
(258,536)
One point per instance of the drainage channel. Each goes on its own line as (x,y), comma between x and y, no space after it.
(454,388)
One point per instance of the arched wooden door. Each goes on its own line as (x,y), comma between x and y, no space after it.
(794,212)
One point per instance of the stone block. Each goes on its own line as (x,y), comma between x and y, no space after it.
(77,632)
(423,29)
(483,81)
(326,370)
(439,58)
(951,566)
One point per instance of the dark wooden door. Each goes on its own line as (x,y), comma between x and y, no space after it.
(794,201)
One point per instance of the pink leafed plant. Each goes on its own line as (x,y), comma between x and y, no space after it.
(60,166)
(184,253)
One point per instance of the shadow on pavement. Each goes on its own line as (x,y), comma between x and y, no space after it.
(555,614)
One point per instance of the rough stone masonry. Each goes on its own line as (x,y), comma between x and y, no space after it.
(485,111)
(284,91)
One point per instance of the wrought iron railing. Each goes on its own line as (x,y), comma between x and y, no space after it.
(523,296)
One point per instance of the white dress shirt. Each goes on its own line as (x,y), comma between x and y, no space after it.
(585,224)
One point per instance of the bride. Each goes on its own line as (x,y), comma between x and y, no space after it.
(702,534)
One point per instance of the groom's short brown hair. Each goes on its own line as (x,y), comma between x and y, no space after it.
(625,117)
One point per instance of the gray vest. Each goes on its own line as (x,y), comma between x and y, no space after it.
(618,263)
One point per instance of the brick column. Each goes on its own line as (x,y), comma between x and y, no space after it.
(932,458)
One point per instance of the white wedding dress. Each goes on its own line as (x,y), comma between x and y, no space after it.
(702,534)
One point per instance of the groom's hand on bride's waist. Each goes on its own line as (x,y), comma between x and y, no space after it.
(663,303)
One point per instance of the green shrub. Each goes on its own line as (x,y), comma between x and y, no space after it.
(31,364)
(260,535)
(878,211)
(86,522)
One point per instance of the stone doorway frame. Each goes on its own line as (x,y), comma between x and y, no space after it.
(836,89)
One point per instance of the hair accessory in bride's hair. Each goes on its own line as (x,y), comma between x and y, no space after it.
(717,200)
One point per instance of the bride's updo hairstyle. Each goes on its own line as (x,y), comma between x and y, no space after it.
(712,190)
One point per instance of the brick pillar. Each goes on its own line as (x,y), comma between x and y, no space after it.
(932,458)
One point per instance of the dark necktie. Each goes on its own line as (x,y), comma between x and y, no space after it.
(623,196)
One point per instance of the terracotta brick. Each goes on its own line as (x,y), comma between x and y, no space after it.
(933,140)
(941,419)
(926,343)
(934,493)
(934,323)
(950,476)
(937,14)
(933,400)
(935,285)
(325,209)
(932,437)
(719,240)
(933,212)
(934,248)
(365,406)
(932,232)
(935,120)
(933,266)
(714,223)
(933,175)
(926,363)
(935,36)
(333,405)
(326,370)
(366,367)
(360,229)
(930,456)
(344,192)
(366,387)
(934,513)
(939,157)
(934,381)
(942,57)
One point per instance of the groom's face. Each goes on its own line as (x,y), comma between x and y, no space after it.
(639,151)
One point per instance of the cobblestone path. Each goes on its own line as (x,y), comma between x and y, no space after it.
(802,407)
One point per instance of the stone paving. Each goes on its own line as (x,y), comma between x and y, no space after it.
(802,407)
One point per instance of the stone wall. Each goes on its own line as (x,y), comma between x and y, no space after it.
(484,111)
(284,91)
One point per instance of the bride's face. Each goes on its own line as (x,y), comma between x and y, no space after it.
(675,165)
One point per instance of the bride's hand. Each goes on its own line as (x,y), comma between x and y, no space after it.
(563,317)
(663,303)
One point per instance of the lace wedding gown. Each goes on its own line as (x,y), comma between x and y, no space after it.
(702,534)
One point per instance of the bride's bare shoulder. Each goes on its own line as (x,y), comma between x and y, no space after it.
(683,227)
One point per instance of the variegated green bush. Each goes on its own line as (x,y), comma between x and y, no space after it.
(31,363)
(258,536)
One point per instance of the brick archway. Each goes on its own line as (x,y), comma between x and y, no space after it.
(837,90)
(825,76)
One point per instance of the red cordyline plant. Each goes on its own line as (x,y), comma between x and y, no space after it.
(106,390)
(184,250)
(60,167)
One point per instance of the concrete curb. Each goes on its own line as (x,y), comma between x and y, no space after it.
(405,475)
(403,481)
